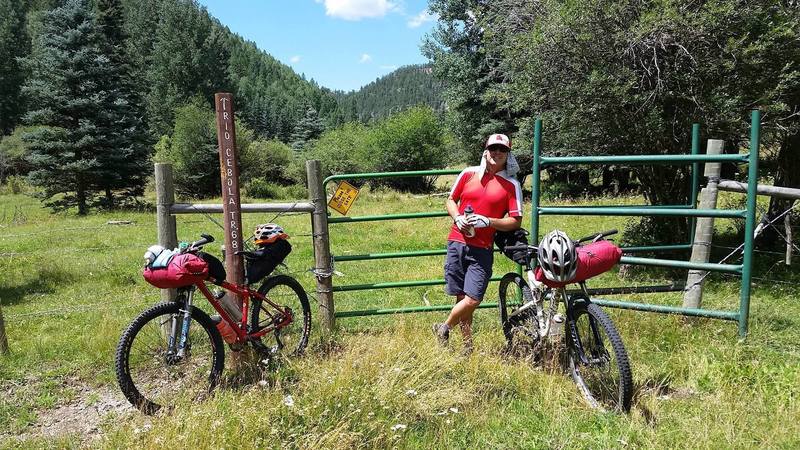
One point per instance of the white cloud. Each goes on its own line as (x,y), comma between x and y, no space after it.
(358,9)
(421,18)
(365,58)
(295,59)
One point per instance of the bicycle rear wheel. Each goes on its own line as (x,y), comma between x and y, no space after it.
(598,361)
(149,372)
(283,290)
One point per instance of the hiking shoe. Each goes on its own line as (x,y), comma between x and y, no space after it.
(442,332)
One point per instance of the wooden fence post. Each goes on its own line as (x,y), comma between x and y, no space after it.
(3,338)
(693,296)
(322,249)
(787,224)
(167,230)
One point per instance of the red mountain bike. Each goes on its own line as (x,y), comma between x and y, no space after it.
(175,350)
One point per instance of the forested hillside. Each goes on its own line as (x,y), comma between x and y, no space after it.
(91,91)
(405,87)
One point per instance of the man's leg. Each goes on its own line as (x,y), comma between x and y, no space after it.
(462,314)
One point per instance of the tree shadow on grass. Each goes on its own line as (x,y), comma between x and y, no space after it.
(45,282)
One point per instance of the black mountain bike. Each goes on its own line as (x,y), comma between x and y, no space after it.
(595,356)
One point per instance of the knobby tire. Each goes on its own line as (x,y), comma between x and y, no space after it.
(154,361)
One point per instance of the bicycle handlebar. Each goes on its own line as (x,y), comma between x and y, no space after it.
(204,239)
(591,237)
(595,236)
(520,247)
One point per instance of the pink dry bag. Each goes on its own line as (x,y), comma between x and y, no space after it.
(593,259)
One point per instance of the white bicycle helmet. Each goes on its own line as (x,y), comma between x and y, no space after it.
(267,233)
(558,257)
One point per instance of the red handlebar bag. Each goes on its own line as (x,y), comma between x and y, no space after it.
(593,259)
(182,270)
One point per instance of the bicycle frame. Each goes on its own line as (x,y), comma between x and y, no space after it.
(554,297)
(241,328)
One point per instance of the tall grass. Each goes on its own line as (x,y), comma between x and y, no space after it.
(68,286)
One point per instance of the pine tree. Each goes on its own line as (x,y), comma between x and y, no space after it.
(13,44)
(66,94)
(308,128)
(124,161)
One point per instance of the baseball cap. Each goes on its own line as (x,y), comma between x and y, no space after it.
(498,139)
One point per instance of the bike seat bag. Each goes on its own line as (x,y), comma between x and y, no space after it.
(503,239)
(593,259)
(267,259)
(183,269)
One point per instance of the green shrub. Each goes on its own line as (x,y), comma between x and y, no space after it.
(267,159)
(261,188)
(13,150)
(15,184)
(194,152)
(410,140)
(341,150)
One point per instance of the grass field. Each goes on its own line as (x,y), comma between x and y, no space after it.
(69,285)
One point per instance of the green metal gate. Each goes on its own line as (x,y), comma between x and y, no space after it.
(539,163)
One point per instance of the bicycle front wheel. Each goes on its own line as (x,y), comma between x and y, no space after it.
(285,291)
(519,327)
(152,374)
(598,361)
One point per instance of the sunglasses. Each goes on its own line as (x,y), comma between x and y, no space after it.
(499,148)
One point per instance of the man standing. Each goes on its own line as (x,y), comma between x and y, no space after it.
(484,199)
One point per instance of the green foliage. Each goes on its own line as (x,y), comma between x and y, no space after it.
(193,150)
(267,160)
(411,140)
(698,386)
(13,153)
(307,129)
(125,160)
(612,77)
(402,89)
(188,58)
(341,150)
(262,188)
(66,93)
(14,43)
(15,184)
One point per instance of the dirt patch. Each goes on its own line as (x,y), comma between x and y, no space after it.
(81,417)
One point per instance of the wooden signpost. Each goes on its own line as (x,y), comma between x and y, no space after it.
(231,205)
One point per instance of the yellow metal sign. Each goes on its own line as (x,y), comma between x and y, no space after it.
(344,197)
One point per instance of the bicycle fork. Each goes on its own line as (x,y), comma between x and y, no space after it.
(180,338)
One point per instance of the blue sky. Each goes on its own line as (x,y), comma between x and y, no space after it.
(341,44)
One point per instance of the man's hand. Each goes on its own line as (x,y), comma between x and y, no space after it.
(478,221)
(461,223)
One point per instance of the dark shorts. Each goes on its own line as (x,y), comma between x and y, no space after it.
(467,270)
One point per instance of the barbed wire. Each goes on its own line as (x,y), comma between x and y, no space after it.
(111,305)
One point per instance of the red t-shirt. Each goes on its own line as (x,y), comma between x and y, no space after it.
(490,195)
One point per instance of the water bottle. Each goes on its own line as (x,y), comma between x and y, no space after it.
(470,231)
(227,332)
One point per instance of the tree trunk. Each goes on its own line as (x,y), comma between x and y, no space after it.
(80,196)
(109,198)
(787,175)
